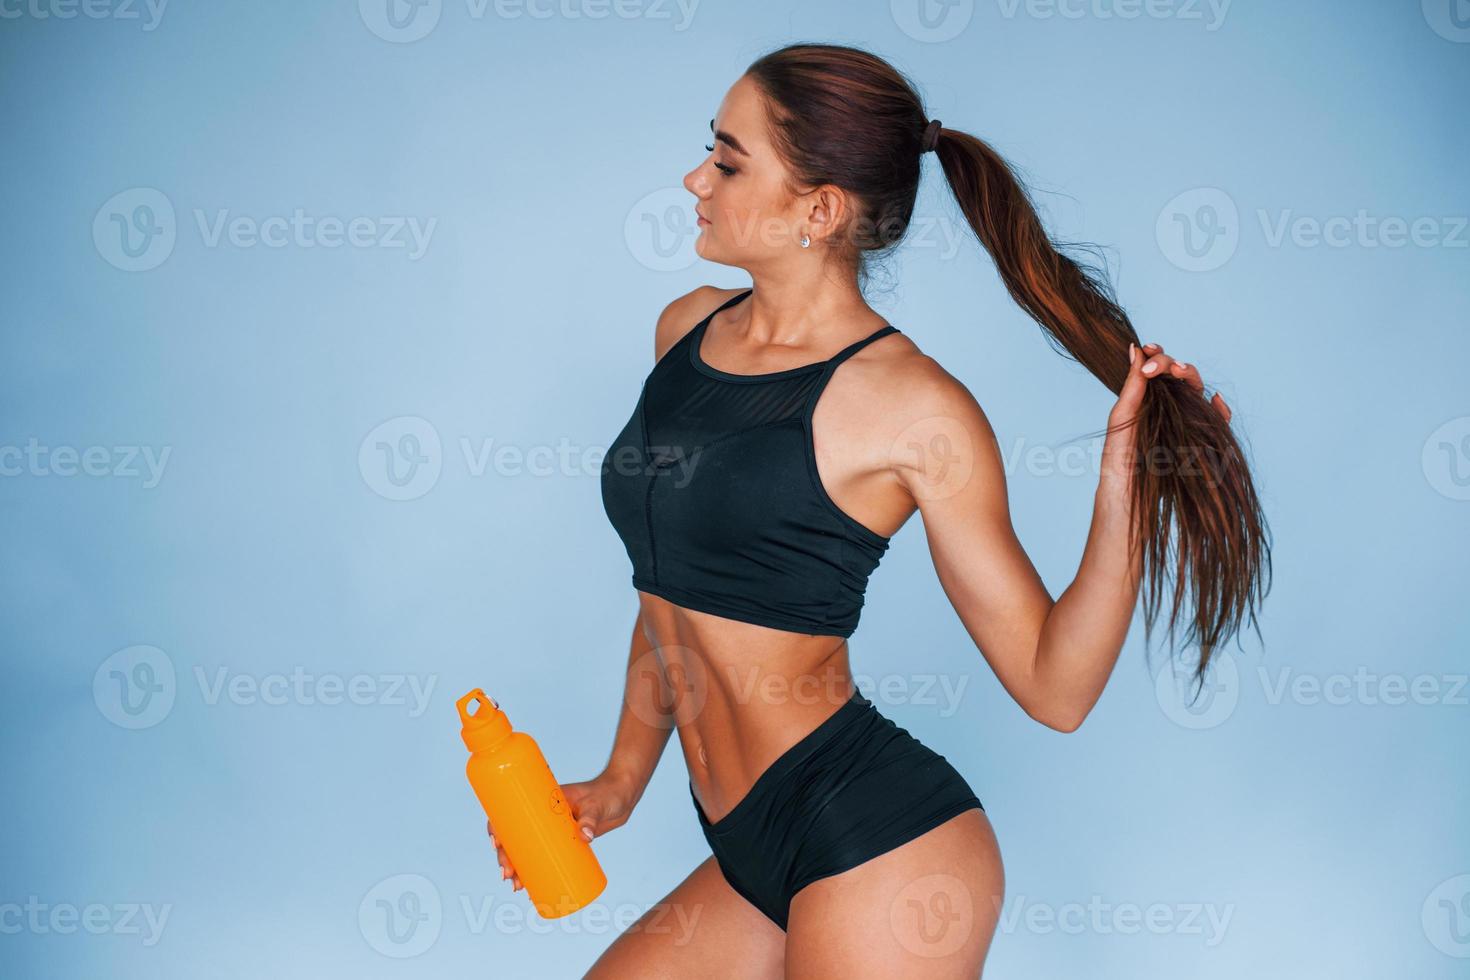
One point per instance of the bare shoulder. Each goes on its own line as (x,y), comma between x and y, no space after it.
(915,410)
(681,315)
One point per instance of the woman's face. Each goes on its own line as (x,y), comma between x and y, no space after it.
(746,213)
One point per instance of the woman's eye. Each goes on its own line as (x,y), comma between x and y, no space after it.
(727,171)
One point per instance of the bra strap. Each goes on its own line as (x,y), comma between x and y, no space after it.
(858,345)
(810,408)
(693,337)
(725,305)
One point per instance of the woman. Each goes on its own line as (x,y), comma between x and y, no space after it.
(756,486)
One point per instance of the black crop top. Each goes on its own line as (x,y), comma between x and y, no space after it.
(712,486)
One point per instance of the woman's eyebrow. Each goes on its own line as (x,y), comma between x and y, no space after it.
(726,138)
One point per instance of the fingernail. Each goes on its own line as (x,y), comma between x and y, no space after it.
(1132,352)
(587,832)
(1150,368)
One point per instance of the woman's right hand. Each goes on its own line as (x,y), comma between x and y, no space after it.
(598,805)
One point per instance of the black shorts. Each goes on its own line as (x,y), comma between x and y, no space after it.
(855,786)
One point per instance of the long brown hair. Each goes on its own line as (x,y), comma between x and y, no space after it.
(845,117)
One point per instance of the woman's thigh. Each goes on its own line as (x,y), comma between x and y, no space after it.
(703,928)
(927,908)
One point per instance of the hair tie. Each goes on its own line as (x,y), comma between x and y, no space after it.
(931,136)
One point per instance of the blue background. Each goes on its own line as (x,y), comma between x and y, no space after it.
(548,152)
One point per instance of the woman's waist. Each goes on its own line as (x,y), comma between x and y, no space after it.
(736,739)
(739,623)
(744,655)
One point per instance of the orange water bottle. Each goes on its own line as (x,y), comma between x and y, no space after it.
(532,820)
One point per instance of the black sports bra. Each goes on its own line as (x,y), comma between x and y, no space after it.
(712,486)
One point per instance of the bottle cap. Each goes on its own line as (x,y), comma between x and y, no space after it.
(486,726)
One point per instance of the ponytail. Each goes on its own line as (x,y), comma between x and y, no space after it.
(1197,517)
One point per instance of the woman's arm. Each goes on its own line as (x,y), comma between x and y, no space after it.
(1084,632)
(645,721)
(1053,657)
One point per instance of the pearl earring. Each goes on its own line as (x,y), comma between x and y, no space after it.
(805,241)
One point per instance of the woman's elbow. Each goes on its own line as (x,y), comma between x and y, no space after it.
(1059,718)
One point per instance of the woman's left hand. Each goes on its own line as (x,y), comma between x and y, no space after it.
(1147,362)
(1150,361)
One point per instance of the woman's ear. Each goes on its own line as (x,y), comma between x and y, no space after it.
(828,207)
